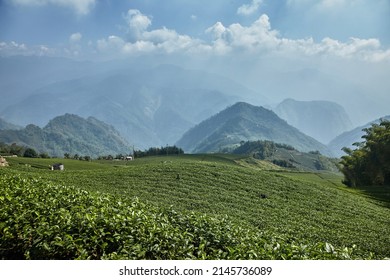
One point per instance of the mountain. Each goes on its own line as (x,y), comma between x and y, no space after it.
(150,105)
(245,122)
(322,120)
(347,139)
(69,134)
(6,125)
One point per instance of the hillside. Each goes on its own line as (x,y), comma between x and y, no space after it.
(245,122)
(346,139)
(302,212)
(286,156)
(69,134)
(322,120)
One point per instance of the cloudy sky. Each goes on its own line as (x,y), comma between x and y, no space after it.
(334,37)
(83,28)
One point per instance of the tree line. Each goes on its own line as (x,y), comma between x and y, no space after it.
(155,151)
(20,151)
(369,163)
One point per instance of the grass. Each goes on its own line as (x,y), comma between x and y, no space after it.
(301,207)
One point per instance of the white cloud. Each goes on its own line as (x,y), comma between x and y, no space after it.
(14,48)
(248,9)
(137,22)
(81,7)
(257,39)
(75,37)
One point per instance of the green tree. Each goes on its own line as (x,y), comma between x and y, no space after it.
(369,163)
(30,153)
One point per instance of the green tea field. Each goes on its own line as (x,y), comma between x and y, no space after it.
(210,206)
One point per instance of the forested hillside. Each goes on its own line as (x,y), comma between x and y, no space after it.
(69,134)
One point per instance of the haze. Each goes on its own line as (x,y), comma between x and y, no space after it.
(333,50)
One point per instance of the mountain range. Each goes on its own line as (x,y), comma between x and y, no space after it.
(322,120)
(69,134)
(150,105)
(245,122)
(154,104)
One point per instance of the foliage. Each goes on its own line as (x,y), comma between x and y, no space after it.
(285,155)
(39,220)
(30,152)
(154,151)
(261,149)
(12,149)
(369,163)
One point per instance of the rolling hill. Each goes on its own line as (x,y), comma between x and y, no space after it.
(245,122)
(322,120)
(69,134)
(286,156)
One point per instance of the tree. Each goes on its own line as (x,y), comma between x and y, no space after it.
(30,153)
(369,163)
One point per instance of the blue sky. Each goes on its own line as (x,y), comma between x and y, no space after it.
(36,25)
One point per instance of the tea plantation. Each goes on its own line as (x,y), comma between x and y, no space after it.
(186,207)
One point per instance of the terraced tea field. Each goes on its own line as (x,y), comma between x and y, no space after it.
(300,208)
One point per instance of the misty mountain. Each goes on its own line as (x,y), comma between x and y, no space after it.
(22,75)
(353,92)
(245,122)
(149,106)
(69,134)
(322,120)
(347,139)
(6,125)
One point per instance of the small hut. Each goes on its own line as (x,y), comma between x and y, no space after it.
(57,166)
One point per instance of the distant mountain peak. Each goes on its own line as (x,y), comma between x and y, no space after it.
(322,120)
(245,122)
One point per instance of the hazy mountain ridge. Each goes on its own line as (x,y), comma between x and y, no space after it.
(69,134)
(322,120)
(150,107)
(7,125)
(347,138)
(245,122)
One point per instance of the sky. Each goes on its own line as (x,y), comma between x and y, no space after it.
(88,28)
(252,37)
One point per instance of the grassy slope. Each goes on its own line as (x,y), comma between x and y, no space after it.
(298,205)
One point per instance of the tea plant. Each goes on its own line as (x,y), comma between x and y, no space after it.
(40,220)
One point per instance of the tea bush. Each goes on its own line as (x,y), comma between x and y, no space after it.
(39,220)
